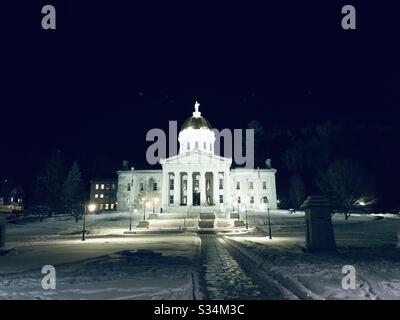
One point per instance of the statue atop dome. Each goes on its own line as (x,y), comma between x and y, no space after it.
(196,112)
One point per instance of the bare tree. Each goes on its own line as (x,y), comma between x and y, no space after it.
(347,185)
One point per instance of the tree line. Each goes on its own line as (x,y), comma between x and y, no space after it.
(354,165)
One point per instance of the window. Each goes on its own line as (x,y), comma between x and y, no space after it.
(221,198)
(184,199)
(251,199)
(188,146)
(237,185)
(101,195)
(97,186)
(96,195)
(171,184)
(155,186)
(106,206)
(251,186)
(185,185)
(221,184)
(128,187)
(112,206)
(238,199)
(102,187)
(210,147)
(264,185)
(171,199)
(204,145)
(141,186)
(196,145)
(264,200)
(113,186)
(101,206)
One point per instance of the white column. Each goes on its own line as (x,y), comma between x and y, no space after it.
(216,188)
(203,187)
(177,189)
(189,192)
(165,187)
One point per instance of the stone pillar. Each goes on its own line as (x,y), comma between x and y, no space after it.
(216,188)
(189,192)
(319,230)
(177,189)
(165,187)
(3,222)
(203,188)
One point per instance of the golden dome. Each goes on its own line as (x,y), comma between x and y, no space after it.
(196,123)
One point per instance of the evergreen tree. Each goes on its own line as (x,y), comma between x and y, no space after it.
(48,183)
(73,191)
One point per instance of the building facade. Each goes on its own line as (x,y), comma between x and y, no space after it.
(197,176)
(103,193)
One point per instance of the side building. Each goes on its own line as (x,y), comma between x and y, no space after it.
(103,193)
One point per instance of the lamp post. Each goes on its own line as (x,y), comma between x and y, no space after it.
(91,207)
(269,219)
(144,208)
(247,225)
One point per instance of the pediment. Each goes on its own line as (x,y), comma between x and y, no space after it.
(196,157)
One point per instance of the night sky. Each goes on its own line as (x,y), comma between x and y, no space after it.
(115,69)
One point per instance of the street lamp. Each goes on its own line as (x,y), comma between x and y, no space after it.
(91,207)
(130,218)
(144,208)
(247,225)
(269,219)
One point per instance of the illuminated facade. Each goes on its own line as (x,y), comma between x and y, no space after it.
(197,176)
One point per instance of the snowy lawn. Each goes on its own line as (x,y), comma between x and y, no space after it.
(366,242)
(108,265)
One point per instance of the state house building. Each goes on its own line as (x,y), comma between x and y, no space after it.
(196,176)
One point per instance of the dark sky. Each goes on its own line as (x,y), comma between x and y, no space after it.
(115,69)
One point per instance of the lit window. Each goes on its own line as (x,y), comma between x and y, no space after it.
(102,187)
(264,185)
(251,199)
(101,195)
(237,185)
(97,187)
(106,206)
(141,186)
(221,198)
(171,199)
(112,206)
(184,199)
(96,195)
(155,186)
(251,185)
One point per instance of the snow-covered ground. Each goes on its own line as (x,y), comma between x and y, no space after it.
(367,242)
(111,264)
